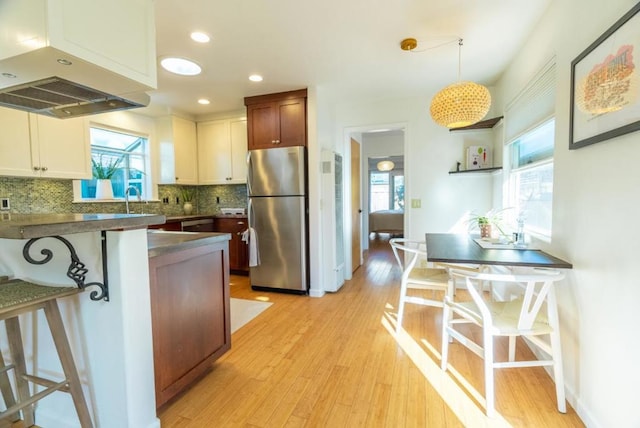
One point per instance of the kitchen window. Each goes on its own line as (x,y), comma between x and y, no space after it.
(127,154)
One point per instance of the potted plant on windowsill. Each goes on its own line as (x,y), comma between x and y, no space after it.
(103,172)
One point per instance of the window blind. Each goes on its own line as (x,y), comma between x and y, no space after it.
(533,105)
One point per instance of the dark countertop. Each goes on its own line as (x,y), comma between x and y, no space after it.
(162,242)
(178,218)
(26,226)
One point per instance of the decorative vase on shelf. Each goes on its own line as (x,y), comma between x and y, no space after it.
(187,208)
(104,189)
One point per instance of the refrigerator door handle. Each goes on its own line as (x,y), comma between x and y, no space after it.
(249,174)
(250,214)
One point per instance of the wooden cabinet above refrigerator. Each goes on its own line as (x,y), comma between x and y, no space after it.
(277,120)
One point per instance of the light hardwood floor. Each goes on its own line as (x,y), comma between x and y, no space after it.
(335,361)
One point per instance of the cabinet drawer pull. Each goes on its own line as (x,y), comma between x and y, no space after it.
(36,168)
(241,222)
(44,168)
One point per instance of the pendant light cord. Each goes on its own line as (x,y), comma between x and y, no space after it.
(459,58)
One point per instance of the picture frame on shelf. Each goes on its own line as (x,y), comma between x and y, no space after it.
(605,85)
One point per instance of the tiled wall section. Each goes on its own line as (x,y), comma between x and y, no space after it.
(41,195)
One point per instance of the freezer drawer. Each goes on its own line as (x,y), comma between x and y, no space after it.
(280,227)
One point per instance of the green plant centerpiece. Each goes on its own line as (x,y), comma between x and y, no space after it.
(103,171)
(187,194)
(486,222)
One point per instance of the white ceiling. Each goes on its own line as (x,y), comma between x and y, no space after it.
(349,48)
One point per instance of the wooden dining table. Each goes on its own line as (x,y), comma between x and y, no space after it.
(462,248)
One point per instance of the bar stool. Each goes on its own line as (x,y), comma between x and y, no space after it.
(19,297)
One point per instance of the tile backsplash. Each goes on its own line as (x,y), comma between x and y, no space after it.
(42,195)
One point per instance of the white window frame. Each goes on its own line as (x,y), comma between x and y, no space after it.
(514,199)
(391,189)
(147,182)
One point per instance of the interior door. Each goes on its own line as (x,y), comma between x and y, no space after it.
(356,209)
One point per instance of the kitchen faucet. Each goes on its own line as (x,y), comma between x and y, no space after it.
(126,196)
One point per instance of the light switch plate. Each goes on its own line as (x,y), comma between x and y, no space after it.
(416,203)
(4,204)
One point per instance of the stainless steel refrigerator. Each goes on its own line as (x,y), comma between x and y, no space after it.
(278,217)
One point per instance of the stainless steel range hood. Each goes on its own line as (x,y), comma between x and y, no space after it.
(62,99)
(68,58)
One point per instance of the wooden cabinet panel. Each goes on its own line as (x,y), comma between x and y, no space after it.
(238,249)
(190,315)
(292,122)
(277,120)
(261,126)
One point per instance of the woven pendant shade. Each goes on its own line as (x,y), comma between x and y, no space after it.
(460,104)
(385,165)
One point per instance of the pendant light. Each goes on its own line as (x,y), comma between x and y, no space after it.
(385,165)
(460,104)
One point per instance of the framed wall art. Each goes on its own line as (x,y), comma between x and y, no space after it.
(605,85)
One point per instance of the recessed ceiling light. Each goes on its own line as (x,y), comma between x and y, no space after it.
(181,66)
(200,37)
(204,101)
(255,78)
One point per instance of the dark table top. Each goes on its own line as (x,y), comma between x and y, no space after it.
(461,248)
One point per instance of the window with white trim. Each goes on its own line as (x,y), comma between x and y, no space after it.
(126,155)
(386,191)
(529,136)
(530,183)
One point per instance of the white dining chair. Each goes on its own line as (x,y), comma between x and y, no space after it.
(416,277)
(532,315)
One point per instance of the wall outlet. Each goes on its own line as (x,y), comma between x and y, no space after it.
(416,203)
(4,204)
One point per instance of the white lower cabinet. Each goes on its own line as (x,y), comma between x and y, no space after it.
(38,146)
(222,151)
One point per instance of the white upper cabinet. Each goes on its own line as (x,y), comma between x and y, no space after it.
(15,144)
(222,151)
(110,44)
(63,147)
(178,150)
(39,146)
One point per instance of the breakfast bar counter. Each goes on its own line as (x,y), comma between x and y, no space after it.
(111,339)
(25,226)
(163,242)
(190,303)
